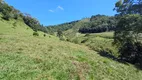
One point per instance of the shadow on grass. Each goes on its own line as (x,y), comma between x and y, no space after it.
(111,56)
(106,54)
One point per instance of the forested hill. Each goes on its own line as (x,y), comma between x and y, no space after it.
(9,12)
(95,24)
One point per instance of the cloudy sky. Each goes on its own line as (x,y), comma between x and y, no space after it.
(52,12)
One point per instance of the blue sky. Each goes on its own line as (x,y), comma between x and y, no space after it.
(52,12)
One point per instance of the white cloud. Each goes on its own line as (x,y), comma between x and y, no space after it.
(57,9)
(51,10)
(61,8)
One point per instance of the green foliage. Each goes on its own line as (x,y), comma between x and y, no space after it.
(62,27)
(99,23)
(33,23)
(44,35)
(68,40)
(128,29)
(128,7)
(95,24)
(60,34)
(35,33)
(128,38)
(9,12)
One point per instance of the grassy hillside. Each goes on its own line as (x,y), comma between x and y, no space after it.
(97,42)
(25,57)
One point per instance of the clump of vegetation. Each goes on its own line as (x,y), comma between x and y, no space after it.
(60,35)
(44,35)
(68,39)
(35,33)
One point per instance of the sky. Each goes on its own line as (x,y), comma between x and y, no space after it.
(53,12)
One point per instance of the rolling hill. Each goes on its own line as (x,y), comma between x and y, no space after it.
(27,57)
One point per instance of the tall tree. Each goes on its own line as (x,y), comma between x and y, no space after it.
(129,7)
(128,31)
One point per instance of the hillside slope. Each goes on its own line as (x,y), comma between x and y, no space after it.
(25,57)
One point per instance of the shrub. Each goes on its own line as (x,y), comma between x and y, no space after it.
(6,16)
(35,34)
(68,40)
(44,35)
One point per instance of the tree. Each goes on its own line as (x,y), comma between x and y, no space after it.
(127,37)
(59,33)
(128,31)
(129,7)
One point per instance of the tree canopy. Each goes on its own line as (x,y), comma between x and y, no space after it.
(129,7)
(128,33)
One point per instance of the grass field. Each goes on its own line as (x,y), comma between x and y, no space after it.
(25,57)
(97,41)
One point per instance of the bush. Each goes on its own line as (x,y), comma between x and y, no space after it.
(68,40)
(44,35)
(35,34)
(6,16)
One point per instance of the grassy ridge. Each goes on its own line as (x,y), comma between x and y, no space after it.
(24,57)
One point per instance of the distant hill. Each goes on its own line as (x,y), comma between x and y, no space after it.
(95,24)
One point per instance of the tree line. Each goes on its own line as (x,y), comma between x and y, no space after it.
(61,27)
(99,23)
